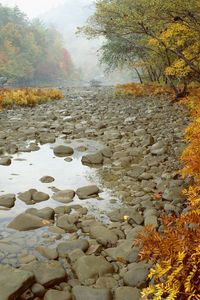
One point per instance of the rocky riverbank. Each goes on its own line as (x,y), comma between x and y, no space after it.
(79,179)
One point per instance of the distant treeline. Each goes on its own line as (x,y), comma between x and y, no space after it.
(29,50)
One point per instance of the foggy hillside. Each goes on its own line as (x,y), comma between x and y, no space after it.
(66,18)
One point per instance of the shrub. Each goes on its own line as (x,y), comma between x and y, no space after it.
(28,97)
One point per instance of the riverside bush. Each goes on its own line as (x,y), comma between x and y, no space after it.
(175,252)
(28,97)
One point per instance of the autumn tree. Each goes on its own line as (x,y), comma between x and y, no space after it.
(161,38)
(29,50)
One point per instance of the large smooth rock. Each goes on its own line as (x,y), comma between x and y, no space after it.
(46,213)
(103,235)
(64,223)
(50,253)
(24,222)
(83,293)
(65,248)
(87,267)
(92,159)
(64,196)
(57,295)
(7,200)
(130,212)
(39,197)
(63,151)
(137,275)
(14,282)
(47,273)
(87,192)
(33,196)
(127,293)
(125,249)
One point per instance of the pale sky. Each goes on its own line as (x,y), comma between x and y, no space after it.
(33,8)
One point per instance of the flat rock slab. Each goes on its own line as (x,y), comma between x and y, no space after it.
(24,222)
(50,253)
(14,282)
(46,213)
(65,248)
(57,295)
(63,151)
(127,293)
(87,192)
(47,273)
(103,235)
(137,275)
(7,200)
(125,250)
(92,159)
(131,213)
(64,196)
(83,293)
(87,267)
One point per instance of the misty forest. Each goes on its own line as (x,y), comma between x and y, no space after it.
(100,150)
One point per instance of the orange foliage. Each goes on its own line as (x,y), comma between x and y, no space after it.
(176,251)
(28,97)
(139,90)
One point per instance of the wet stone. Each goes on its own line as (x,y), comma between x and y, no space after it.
(63,151)
(87,192)
(47,179)
(64,196)
(24,222)
(5,161)
(7,200)
(93,159)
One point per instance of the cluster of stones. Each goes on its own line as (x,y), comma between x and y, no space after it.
(96,262)
(143,139)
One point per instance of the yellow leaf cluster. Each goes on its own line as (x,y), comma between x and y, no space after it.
(176,251)
(28,97)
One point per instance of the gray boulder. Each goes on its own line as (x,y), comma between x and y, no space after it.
(103,235)
(84,292)
(24,222)
(5,161)
(63,151)
(87,267)
(64,196)
(93,159)
(7,200)
(137,275)
(47,273)
(87,192)
(65,248)
(14,282)
(57,295)
(127,293)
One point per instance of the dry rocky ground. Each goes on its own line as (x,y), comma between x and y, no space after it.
(142,140)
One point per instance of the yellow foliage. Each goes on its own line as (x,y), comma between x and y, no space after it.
(28,97)
(176,251)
